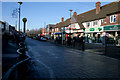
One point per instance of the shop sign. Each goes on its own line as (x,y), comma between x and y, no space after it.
(113,27)
(99,29)
(94,29)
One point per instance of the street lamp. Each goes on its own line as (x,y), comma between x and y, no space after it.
(19,13)
(70,21)
(105,39)
(83,45)
(24,20)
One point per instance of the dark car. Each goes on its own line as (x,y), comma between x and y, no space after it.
(43,39)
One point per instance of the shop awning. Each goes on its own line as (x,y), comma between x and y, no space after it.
(42,34)
(58,33)
(112,28)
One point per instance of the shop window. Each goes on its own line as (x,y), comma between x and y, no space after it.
(112,18)
(52,30)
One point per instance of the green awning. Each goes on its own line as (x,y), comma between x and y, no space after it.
(113,27)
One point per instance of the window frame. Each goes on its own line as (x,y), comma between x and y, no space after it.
(113,18)
(87,24)
(102,20)
(95,23)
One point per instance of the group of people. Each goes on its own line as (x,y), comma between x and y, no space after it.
(75,41)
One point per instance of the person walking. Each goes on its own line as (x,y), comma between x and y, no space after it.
(74,41)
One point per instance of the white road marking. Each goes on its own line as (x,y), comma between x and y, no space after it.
(48,68)
(73,52)
(30,49)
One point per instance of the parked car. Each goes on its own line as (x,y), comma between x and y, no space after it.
(34,37)
(37,37)
(43,39)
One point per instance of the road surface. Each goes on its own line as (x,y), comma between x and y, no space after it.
(51,61)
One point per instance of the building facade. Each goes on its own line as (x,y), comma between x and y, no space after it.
(96,24)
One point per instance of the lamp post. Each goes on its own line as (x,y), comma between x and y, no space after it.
(70,21)
(105,41)
(19,14)
(83,44)
(63,31)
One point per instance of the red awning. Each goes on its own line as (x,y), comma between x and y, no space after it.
(42,34)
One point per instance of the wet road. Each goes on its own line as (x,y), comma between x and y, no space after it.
(51,61)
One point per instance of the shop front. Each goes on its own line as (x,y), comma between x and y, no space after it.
(113,33)
(93,35)
(77,32)
(58,35)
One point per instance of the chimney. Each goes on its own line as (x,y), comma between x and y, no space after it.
(62,19)
(98,5)
(75,14)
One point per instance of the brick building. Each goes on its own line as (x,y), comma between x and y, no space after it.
(104,20)
(44,31)
(98,22)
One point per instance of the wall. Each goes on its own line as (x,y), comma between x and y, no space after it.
(107,20)
(92,22)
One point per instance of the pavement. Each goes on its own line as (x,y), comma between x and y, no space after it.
(9,56)
(49,61)
(97,48)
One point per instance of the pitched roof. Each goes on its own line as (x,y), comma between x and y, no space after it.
(51,25)
(104,10)
(67,22)
(91,15)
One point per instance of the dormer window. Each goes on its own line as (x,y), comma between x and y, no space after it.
(112,18)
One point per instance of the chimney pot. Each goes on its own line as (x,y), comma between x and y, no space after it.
(75,14)
(98,5)
(62,19)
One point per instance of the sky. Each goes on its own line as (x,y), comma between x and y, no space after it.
(39,14)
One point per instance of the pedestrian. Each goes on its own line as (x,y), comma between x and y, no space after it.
(68,41)
(118,42)
(82,42)
(74,41)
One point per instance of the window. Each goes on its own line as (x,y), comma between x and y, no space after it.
(57,29)
(88,24)
(95,23)
(112,18)
(102,21)
(74,25)
(52,30)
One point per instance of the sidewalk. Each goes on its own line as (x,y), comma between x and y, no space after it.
(9,56)
(98,48)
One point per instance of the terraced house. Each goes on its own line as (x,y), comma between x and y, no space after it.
(104,20)
(96,23)
(49,30)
